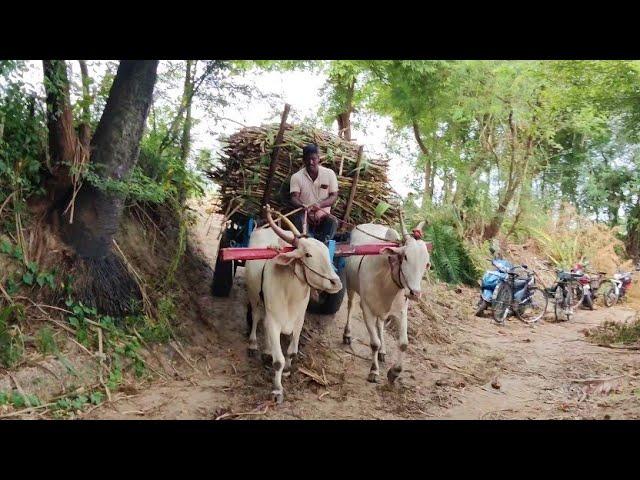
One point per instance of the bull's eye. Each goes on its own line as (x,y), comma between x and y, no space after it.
(405,256)
(308,255)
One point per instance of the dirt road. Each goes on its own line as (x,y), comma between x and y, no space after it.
(458,366)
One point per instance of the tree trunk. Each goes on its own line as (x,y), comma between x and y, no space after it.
(344,118)
(633,232)
(62,135)
(84,129)
(427,195)
(114,151)
(187,100)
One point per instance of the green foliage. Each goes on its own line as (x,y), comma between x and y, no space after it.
(31,276)
(18,400)
(11,342)
(46,342)
(73,403)
(449,257)
(22,141)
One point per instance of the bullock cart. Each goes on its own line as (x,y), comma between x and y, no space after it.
(255,169)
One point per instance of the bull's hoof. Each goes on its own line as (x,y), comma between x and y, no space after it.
(392,375)
(382,357)
(373,377)
(346,340)
(267,359)
(277,397)
(252,352)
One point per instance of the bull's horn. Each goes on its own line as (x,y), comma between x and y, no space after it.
(420,225)
(288,237)
(290,224)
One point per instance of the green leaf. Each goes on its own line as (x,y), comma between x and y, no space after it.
(27,278)
(6,247)
(74,321)
(33,267)
(96,397)
(381,208)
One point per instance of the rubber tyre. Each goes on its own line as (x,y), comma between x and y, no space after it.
(501,303)
(577,295)
(587,302)
(563,304)
(609,294)
(481,307)
(222,274)
(329,303)
(539,296)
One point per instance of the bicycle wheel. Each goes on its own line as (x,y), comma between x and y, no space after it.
(577,294)
(557,304)
(534,308)
(563,304)
(502,303)
(609,294)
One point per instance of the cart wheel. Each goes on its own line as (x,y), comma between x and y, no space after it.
(223,273)
(329,303)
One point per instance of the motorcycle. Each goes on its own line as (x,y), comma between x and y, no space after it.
(505,291)
(616,287)
(589,284)
(490,282)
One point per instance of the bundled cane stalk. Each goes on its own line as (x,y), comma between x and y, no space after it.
(244,168)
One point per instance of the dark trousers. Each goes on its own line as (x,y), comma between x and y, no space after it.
(323,231)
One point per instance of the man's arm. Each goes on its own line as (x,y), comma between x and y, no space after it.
(295,199)
(294,190)
(330,200)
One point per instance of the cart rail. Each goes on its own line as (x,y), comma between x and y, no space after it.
(342,250)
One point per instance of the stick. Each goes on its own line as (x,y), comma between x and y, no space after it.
(274,154)
(183,356)
(6,200)
(239,414)
(24,395)
(317,378)
(347,210)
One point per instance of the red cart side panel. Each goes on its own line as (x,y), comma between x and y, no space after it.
(342,250)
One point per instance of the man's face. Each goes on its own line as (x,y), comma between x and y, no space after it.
(312,162)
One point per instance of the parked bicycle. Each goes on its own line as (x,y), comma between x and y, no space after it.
(519,295)
(566,294)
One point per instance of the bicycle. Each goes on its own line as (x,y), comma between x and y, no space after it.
(520,296)
(566,294)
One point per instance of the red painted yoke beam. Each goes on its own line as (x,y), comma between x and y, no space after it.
(342,250)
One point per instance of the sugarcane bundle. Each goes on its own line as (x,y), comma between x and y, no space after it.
(243,170)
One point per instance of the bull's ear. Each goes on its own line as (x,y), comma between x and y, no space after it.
(287,258)
(391,251)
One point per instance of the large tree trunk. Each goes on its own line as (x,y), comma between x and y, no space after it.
(187,97)
(427,195)
(114,151)
(62,135)
(84,129)
(633,232)
(344,118)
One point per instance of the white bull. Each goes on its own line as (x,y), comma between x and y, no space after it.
(385,283)
(279,289)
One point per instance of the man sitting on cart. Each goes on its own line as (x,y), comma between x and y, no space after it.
(315,188)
